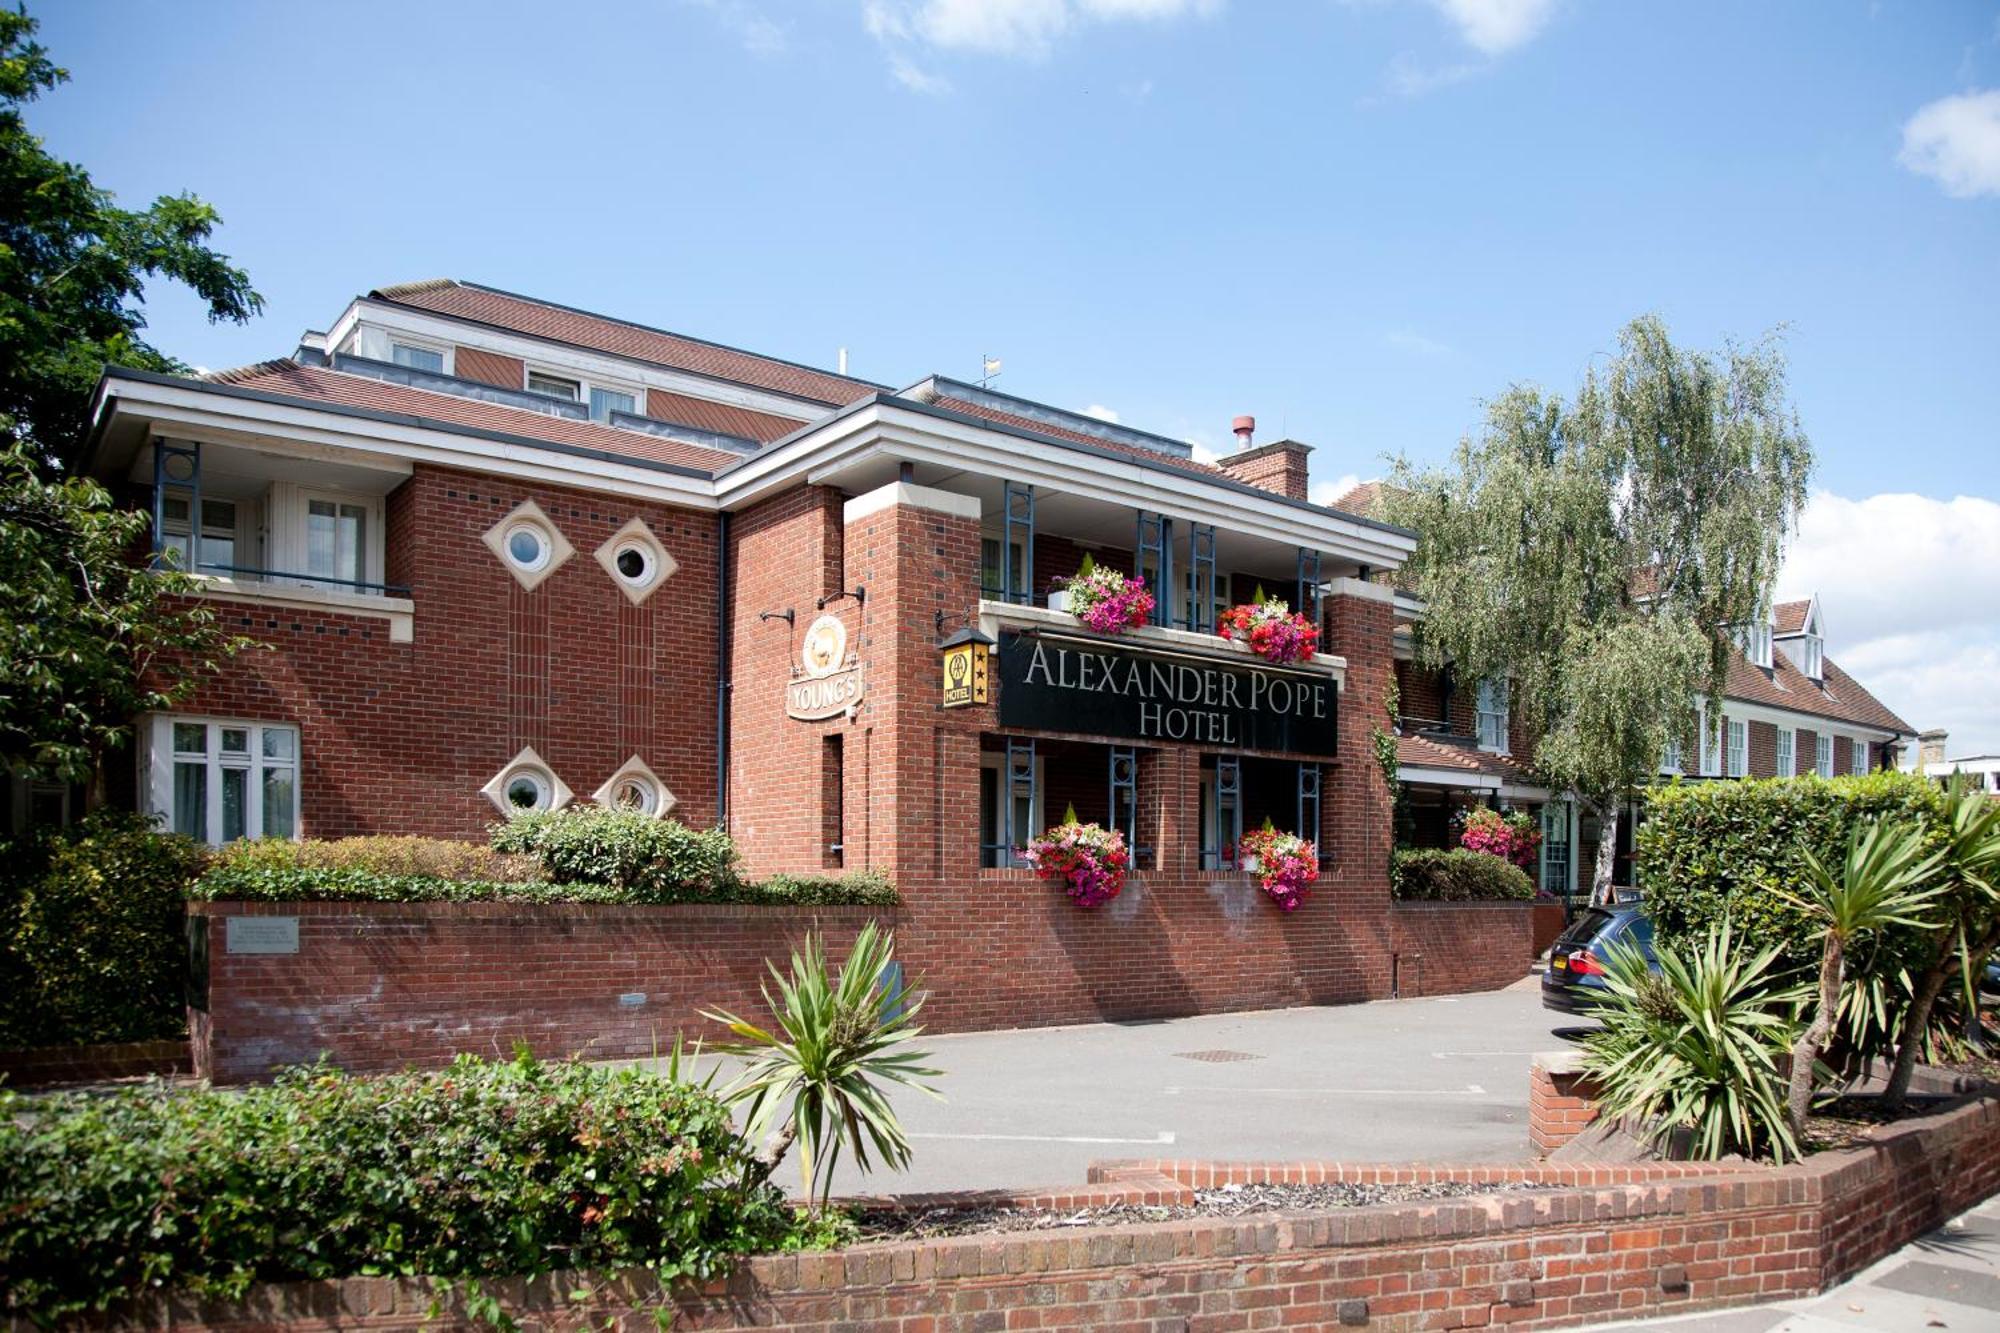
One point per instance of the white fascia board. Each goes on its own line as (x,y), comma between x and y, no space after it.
(586,361)
(1743,711)
(196,411)
(883,430)
(1447,777)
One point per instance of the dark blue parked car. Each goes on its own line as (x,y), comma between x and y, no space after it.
(1574,983)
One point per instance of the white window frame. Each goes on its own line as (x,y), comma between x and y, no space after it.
(374,548)
(1736,733)
(1857,760)
(1823,754)
(159,759)
(1755,641)
(442,349)
(1814,653)
(1670,758)
(1787,751)
(241,541)
(1710,740)
(286,509)
(1491,708)
(584,384)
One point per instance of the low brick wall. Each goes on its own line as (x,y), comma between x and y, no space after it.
(1550,920)
(56,1066)
(376,986)
(1596,1242)
(1451,948)
(1562,1101)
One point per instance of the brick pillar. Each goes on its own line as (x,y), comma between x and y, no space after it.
(916,550)
(1562,1101)
(1356,805)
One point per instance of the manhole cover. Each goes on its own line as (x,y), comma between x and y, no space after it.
(1216,1057)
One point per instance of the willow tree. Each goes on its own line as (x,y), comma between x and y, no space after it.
(1595,553)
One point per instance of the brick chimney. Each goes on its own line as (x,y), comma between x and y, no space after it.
(1279,467)
(1930,748)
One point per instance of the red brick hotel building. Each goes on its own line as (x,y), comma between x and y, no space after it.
(508,555)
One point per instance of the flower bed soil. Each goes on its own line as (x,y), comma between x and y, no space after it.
(1847,1121)
(1221,1201)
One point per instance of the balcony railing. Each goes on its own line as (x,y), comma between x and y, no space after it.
(311,580)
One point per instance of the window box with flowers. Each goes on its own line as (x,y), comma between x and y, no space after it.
(1284,863)
(1106,600)
(1270,629)
(1089,859)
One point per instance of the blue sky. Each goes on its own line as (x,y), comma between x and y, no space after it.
(1354,219)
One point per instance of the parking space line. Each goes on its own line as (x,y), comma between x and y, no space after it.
(1469,1090)
(1164,1136)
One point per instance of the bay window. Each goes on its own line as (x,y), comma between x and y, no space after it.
(219,780)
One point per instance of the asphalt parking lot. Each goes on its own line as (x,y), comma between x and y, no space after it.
(1442,1079)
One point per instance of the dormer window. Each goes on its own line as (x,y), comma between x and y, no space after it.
(1812,656)
(1755,641)
(603,402)
(603,399)
(428,359)
(555,386)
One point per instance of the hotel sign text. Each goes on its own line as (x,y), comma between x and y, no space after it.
(1050,684)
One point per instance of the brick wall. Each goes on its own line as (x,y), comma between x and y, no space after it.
(378,986)
(1562,1101)
(1451,948)
(399,737)
(1279,467)
(1596,1242)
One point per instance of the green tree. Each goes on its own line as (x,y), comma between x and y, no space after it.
(1594,553)
(1878,884)
(89,638)
(73,267)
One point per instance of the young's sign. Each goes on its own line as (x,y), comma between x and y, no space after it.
(1049,683)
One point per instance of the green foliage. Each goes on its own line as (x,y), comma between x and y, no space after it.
(863,888)
(280,883)
(1425,874)
(74,266)
(93,945)
(92,639)
(1594,553)
(476,1170)
(1695,1050)
(818,1078)
(653,860)
(439,858)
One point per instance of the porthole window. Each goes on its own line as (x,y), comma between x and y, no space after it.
(636,561)
(525,785)
(635,564)
(635,794)
(636,789)
(528,546)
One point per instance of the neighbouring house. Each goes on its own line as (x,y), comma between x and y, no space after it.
(1788,709)
(1932,761)
(508,555)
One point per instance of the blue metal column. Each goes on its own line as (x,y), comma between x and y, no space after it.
(1020,797)
(1017,524)
(1124,807)
(1308,826)
(1307,599)
(167,460)
(1228,812)
(1200,615)
(1155,538)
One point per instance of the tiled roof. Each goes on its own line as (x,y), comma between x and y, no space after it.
(446,296)
(683,410)
(1364,500)
(1838,698)
(1791,616)
(1424,752)
(999,417)
(316,386)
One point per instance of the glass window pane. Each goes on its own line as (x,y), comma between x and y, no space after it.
(334,536)
(191,800)
(190,738)
(235,740)
(417,358)
(280,817)
(235,793)
(174,508)
(552,385)
(278,742)
(219,552)
(174,545)
(603,402)
(218,514)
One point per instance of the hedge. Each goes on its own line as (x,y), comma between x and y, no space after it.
(1422,874)
(443,858)
(654,860)
(475,1170)
(1710,850)
(349,884)
(93,943)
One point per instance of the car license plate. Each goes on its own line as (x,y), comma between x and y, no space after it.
(1559,963)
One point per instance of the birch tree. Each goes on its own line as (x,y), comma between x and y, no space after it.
(1595,552)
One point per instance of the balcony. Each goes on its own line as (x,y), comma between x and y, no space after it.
(285,532)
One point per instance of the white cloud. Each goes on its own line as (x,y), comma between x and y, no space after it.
(1204,452)
(1326,492)
(1101,412)
(1405,341)
(760,35)
(917,80)
(1909,612)
(1494,27)
(1024,28)
(1956,141)
(1408,77)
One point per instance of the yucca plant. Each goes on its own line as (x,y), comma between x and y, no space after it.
(1695,1049)
(1882,881)
(818,1080)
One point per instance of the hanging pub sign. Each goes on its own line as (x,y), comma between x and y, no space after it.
(965,671)
(832,682)
(1051,683)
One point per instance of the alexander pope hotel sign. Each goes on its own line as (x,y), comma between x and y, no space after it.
(1050,683)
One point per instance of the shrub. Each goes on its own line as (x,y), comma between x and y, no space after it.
(259,883)
(1733,851)
(478,1169)
(441,858)
(93,941)
(1694,1051)
(1420,874)
(655,860)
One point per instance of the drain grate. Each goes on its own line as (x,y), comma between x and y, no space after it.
(1216,1057)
